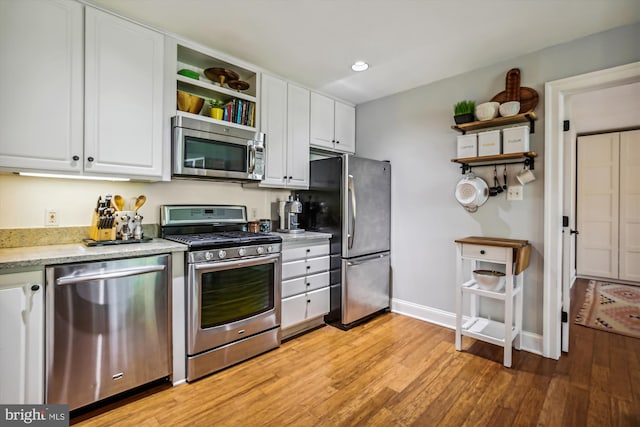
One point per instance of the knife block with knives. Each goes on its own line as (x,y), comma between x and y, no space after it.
(103,225)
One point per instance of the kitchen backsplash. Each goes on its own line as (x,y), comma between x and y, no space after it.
(21,237)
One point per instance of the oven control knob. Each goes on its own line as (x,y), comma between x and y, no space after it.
(222,254)
(260,250)
(242,251)
(208,256)
(269,249)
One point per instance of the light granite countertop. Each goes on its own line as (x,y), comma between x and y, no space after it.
(39,256)
(307,235)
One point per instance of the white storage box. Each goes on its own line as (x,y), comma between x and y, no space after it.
(515,139)
(489,143)
(467,146)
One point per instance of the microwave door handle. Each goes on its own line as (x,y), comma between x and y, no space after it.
(352,231)
(252,158)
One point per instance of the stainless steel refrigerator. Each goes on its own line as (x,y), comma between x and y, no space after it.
(350,197)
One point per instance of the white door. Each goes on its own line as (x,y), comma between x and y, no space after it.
(345,128)
(630,205)
(597,213)
(123,103)
(22,338)
(274,125)
(322,121)
(41,86)
(298,137)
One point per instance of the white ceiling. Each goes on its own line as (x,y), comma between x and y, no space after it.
(408,43)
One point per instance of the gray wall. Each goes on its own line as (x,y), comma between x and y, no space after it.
(413,130)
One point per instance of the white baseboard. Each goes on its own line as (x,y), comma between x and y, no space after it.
(529,341)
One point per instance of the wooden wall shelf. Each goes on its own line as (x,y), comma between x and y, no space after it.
(529,117)
(498,159)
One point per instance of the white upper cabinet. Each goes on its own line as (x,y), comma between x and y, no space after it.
(41,85)
(65,109)
(285,121)
(332,124)
(123,102)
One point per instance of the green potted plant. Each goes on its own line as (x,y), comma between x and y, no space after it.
(463,112)
(216,108)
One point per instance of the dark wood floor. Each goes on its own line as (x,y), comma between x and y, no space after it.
(399,371)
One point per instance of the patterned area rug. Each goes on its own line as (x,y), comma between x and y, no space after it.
(611,307)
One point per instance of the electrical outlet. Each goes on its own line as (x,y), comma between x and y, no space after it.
(51,217)
(254,213)
(514,192)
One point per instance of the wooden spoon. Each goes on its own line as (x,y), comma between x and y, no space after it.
(118,202)
(139,202)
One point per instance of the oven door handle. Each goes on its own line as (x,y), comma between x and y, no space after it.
(114,274)
(248,262)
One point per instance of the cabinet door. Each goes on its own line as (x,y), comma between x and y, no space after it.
(123,88)
(22,342)
(303,307)
(298,137)
(345,128)
(274,125)
(629,206)
(41,85)
(322,121)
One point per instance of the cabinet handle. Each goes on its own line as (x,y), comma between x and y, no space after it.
(35,287)
(90,159)
(482,252)
(75,158)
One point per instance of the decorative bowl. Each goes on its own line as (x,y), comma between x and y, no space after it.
(510,108)
(487,110)
(189,103)
(489,280)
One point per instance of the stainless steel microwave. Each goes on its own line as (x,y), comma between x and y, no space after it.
(207,150)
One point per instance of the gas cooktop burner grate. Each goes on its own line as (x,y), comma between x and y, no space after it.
(224,238)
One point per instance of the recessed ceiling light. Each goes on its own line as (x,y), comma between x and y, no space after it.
(359,66)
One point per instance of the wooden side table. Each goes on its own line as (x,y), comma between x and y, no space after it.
(514,255)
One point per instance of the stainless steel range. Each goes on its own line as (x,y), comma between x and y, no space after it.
(233,285)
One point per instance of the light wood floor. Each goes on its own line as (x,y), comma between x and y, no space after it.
(397,371)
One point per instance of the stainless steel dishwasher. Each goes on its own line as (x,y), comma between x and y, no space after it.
(107,328)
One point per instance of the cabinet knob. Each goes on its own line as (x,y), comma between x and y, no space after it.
(333,141)
(35,287)
(76,158)
(90,159)
(308,284)
(290,177)
(308,301)
(482,252)
(337,142)
(308,267)
(308,250)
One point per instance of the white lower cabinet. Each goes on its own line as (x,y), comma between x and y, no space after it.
(305,285)
(22,338)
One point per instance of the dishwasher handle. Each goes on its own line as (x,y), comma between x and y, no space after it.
(114,274)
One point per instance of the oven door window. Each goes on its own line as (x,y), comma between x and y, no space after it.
(234,294)
(214,155)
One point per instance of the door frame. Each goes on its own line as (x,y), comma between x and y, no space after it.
(557,93)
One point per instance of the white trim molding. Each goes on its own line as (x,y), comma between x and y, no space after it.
(529,341)
(555,94)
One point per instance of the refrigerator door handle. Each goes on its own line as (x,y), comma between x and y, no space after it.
(351,233)
(369,258)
